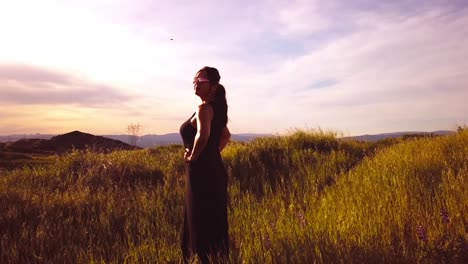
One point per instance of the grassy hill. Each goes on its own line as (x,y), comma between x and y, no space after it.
(300,198)
(31,152)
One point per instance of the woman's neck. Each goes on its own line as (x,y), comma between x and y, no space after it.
(207,100)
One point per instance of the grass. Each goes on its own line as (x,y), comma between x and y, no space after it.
(302,198)
(11,160)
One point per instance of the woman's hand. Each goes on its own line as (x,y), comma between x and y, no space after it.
(187,154)
(189,159)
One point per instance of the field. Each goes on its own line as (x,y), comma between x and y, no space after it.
(302,198)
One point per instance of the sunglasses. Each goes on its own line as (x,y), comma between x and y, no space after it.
(200,80)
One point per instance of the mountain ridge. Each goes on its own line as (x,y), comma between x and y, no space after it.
(151,140)
(64,143)
(145,141)
(377,137)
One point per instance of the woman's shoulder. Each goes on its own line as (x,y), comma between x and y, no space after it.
(207,105)
(206,108)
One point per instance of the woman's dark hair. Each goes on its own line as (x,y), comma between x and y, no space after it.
(220,96)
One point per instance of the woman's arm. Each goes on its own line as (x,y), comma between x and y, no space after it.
(204,117)
(225,138)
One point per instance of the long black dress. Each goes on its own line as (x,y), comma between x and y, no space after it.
(205,231)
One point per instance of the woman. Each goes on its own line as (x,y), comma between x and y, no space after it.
(205,134)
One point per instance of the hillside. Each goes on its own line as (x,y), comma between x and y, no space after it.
(301,198)
(152,140)
(65,143)
(377,137)
(145,141)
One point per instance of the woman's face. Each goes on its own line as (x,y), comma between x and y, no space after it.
(201,84)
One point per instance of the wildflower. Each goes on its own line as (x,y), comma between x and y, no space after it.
(267,240)
(273,225)
(445,216)
(421,232)
(302,219)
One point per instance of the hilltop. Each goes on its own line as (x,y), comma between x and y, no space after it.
(65,143)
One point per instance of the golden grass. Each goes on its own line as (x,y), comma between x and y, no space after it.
(302,198)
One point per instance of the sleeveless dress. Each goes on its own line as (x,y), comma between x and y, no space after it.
(205,231)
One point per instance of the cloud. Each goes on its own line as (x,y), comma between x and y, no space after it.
(362,65)
(25,84)
(322,84)
(32,75)
(391,67)
(11,113)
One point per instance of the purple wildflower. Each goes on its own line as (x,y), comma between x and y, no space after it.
(421,232)
(267,240)
(445,216)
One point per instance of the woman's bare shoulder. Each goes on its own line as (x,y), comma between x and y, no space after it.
(205,107)
(205,110)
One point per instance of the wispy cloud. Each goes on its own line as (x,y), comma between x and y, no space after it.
(322,84)
(361,66)
(390,67)
(24,84)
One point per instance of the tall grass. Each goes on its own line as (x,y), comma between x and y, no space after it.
(302,198)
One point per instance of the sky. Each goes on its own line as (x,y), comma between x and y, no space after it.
(354,67)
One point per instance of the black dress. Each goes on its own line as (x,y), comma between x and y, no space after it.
(205,231)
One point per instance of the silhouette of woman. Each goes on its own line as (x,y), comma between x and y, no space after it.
(205,134)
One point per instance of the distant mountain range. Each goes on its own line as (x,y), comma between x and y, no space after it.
(143,141)
(174,138)
(377,137)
